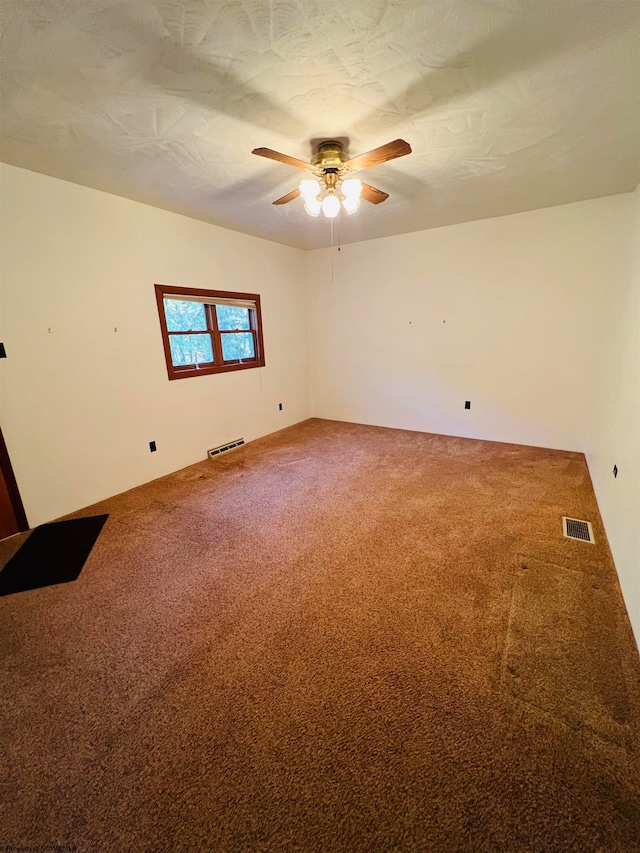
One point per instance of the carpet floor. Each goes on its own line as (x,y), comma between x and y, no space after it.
(336,638)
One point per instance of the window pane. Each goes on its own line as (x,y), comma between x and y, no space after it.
(237,346)
(190,349)
(231,318)
(185,316)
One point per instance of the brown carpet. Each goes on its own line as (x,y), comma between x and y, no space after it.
(337,638)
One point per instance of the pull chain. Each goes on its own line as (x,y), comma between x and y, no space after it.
(332,274)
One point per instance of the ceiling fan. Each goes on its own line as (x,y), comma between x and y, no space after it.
(332,186)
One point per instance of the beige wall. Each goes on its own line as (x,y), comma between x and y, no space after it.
(502,312)
(79,405)
(614,437)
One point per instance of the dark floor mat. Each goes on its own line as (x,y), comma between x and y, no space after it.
(53,553)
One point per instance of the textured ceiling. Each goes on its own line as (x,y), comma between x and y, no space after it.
(509,105)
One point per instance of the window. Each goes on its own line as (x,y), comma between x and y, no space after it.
(209,331)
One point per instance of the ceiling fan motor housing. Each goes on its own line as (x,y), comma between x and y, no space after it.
(330,156)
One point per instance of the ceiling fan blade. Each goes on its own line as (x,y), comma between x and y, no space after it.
(282,158)
(373,195)
(397,148)
(288,197)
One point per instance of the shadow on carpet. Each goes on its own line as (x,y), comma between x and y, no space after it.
(54,553)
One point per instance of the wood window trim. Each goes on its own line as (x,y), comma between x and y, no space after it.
(219,365)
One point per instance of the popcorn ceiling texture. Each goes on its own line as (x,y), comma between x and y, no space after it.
(509,105)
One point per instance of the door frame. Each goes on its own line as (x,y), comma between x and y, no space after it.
(12,486)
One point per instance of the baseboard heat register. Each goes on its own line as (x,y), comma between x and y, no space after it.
(225,448)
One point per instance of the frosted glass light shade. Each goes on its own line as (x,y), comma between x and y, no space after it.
(309,190)
(313,206)
(352,187)
(351,203)
(331,206)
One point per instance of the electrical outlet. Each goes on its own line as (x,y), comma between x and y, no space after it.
(467,404)
(152,446)
(280,406)
(615,470)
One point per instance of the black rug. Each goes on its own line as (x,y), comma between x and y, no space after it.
(54,553)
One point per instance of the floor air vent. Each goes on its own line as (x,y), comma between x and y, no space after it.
(573,528)
(225,448)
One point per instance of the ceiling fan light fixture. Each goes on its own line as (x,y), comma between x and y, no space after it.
(351,187)
(332,189)
(351,204)
(310,190)
(313,206)
(331,206)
